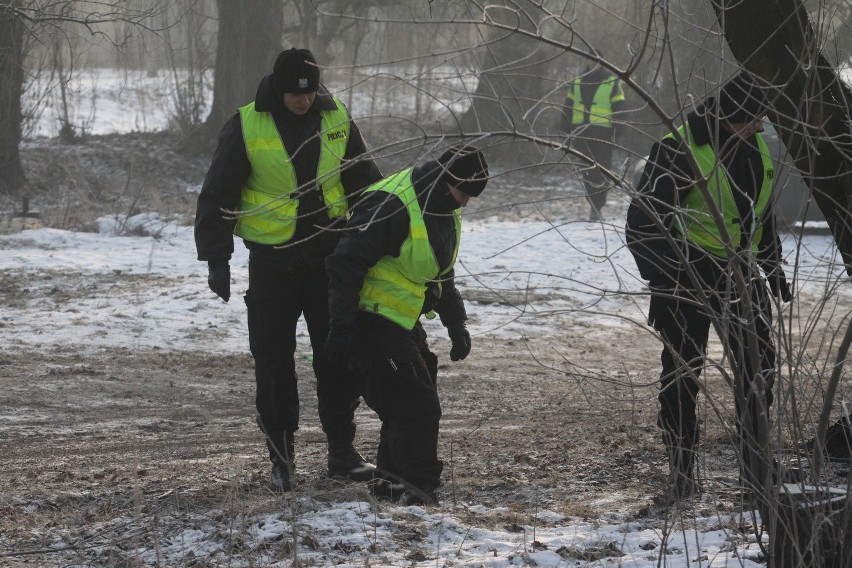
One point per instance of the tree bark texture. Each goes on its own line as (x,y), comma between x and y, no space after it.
(510,83)
(775,41)
(249,40)
(11,87)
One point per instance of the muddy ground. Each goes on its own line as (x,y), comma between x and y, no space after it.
(150,437)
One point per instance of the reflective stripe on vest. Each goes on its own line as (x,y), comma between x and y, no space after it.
(600,113)
(269,213)
(396,286)
(694,220)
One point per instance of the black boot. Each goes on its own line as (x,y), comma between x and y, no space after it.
(281,479)
(283,466)
(681,453)
(386,490)
(681,472)
(417,497)
(401,493)
(345,461)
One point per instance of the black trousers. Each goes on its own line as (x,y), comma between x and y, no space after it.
(277,296)
(400,385)
(596,143)
(684,328)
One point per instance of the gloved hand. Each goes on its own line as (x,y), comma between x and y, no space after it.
(461,341)
(338,346)
(778,285)
(219,278)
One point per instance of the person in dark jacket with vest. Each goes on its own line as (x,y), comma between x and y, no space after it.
(593,101)
(690,264)
(283,177)
(393,263)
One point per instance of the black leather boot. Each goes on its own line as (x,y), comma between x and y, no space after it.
(345,461)
(681,472)
(283,465)
(681,453)
(385,490)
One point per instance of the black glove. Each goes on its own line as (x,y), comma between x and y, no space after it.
(778,285)
(219,278)
(338,346)
(461,341)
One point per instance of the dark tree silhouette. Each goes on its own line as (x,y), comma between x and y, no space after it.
(11,86)
(249,39)
(774,39)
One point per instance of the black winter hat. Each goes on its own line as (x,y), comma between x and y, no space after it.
(295,71)
(465,168)
(742,99)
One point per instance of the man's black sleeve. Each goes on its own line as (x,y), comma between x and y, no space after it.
(450,306)
(378,228)
(220,191)
(661,188)
(769,253)
(358,170)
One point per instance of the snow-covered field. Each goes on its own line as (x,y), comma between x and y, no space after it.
(525,278)
(107,101)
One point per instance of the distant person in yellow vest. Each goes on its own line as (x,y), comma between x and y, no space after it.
(291,162)
(723,136)
(593,101)
(395,262)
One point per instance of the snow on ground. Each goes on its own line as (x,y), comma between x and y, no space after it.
(107,101)
(449,541)
(519,279)
(103,101)
(528,278)
(504,273)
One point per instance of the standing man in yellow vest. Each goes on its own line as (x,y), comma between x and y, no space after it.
(593,101)
(289,163)
(723,137)
(394,263)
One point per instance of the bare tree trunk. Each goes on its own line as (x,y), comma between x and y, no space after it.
(11,86)
(775,40)
(511,80)
(249,39)
(308,19)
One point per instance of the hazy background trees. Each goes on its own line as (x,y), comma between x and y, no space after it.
(248,38)
(508,62)
(501,80)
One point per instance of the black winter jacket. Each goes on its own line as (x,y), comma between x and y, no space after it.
(230,169)
(667,179)
(378,228)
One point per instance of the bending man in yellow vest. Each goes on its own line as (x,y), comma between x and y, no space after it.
(723,137)
(593,100)
(394,263)
(289,162)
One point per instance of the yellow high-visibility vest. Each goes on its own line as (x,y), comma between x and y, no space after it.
(600,112)
(694,221)
(269,211)
(396,286)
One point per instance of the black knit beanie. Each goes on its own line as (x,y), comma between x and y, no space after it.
(742,99)
(465,168)
(295,71)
